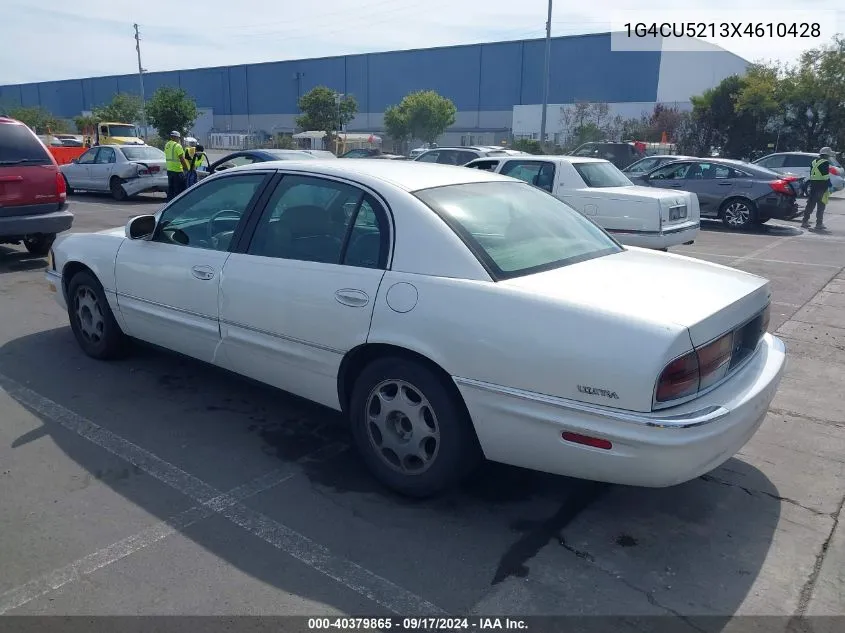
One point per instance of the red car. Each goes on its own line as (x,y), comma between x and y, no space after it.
(33,192)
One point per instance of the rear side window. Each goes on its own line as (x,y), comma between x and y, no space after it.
(18,145)
(796,160)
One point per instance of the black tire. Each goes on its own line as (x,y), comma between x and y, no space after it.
(456,452)
(104,340)
(68,188)
(738,213)
(117,190)
(39,244)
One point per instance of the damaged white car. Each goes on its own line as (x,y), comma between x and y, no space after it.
(122,170)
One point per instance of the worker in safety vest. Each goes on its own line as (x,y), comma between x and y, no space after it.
(818,195)
(193,156)
(174,154)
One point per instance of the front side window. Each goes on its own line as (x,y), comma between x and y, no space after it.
(538,173)
(429,157)
(674,171)
(600,175)
(208,214)
(644,165)
(515,229)
(88,157)
(318,220)
(796,160)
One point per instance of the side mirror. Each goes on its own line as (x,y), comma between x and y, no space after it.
(141,227)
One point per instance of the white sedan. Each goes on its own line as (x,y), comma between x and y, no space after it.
(122,170)
(451,313)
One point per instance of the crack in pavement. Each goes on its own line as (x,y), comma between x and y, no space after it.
(809,418)
(809,586)
(513,561)
(760,493)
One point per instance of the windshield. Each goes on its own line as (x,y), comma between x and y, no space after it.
(142,153)
(600,175)
(122,131)
(516,229)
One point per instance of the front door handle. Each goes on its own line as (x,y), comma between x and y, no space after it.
(203,272)
(725,184)
(352,297)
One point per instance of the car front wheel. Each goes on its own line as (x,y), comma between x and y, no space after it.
(738,213)
(411,427)
(92,319)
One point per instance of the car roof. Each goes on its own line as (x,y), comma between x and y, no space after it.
(557,158)
(406,175)
(789,153)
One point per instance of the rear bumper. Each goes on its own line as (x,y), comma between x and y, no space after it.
(654,450)
(781,207)
(657,239)
(18,226)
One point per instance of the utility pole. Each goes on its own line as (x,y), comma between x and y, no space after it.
(141,80)
(546,77)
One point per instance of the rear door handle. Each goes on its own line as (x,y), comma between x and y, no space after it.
(203,272)
(352,297)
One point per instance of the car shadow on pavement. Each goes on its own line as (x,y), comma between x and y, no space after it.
(16,261)
(707,539)
(102,197)
(774,230)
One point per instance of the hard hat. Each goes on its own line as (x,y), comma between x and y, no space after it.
(190,140)
(826,151)
(175,134)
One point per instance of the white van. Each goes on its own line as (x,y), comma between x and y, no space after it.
(635,215)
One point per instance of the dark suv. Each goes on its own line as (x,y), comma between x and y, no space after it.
(33,192)
(620,154)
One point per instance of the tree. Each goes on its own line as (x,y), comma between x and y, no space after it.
(38,119)
(85,124)
(123,108)
(171,109)
(325,110)
(423,114)
(396,126)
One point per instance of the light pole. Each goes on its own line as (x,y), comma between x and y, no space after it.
(338,97)
(141,80)
(546,77)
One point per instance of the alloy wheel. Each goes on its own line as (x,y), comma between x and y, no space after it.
(402,426)
(737,214)
(89,315)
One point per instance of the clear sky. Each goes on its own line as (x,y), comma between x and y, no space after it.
(61,39)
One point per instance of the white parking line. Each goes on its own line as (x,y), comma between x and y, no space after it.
(347,573)
(736,260)
(104,557)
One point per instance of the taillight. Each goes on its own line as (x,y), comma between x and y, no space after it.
(833,171)
(679,379)
(714,360)
(782,186)
(61,186)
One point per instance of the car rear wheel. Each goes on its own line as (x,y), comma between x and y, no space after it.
(411,427)
(117,190)
(92,319)
(738,213)
(39,245)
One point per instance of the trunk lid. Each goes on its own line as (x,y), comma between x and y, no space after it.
(676,207)
(708,299)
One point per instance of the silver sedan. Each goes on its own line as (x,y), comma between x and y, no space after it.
(122,170)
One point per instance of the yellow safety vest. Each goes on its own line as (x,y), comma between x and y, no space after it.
(815,171)
(172,152)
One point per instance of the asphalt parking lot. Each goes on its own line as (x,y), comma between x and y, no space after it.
(158,485)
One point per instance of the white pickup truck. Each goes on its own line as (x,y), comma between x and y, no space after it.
(635,215)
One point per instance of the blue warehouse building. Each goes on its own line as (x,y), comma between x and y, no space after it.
(496,86)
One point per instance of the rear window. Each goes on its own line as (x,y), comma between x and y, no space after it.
(18,146)
(515,229)
(142,153)
(601,175)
